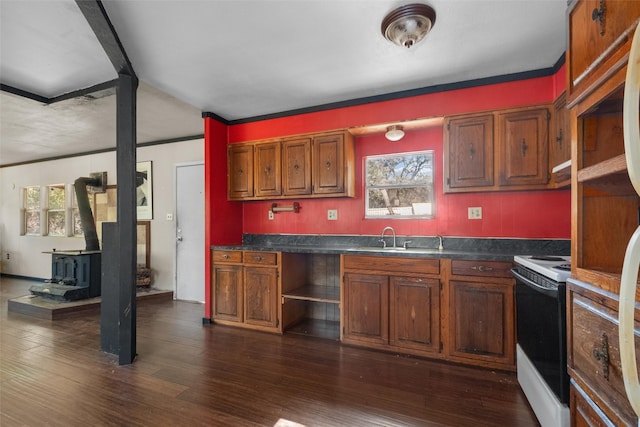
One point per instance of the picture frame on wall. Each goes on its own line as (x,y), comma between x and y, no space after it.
(144,191)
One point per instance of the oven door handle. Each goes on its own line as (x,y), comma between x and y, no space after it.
(546,291)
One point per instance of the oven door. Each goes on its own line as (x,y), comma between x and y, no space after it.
(541,329)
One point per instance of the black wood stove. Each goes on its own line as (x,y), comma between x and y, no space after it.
(76,274)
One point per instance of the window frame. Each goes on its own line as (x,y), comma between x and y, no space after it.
(27,210)
(58,210)
(430,186)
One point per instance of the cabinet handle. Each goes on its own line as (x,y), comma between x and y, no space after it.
(267,170)
(257,258)
(598,15)
(559,138)
(225,256)
(328,164)
(296,167)
(602,355)
(472,151)
(481,268)
(240,171)
(524,147)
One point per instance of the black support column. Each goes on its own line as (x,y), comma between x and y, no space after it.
(118,307)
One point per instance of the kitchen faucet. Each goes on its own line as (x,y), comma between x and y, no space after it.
(393,232)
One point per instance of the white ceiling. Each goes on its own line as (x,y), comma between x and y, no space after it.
(241,59)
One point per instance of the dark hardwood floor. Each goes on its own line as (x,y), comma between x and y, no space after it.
(53,373)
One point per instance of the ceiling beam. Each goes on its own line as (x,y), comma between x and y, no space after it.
(96,15)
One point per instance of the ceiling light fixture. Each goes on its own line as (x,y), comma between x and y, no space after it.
(407,25)
(394,133)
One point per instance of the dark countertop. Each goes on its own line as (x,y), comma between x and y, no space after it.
(423,247)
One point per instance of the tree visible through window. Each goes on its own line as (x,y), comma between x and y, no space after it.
(32,210)
(56,215)
(400,185)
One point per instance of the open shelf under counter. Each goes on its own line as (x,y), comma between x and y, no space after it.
(327,329)
(328,294)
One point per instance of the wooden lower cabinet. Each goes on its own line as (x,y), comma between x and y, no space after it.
(584,413)
(366,308)
(481,322)
(593,356)
(227,292)
(245,289)
(480,313)
(392,303)
(415,313)
(261,296)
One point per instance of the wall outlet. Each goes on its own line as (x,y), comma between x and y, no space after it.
(169,217)
(332,214)
(7,256)
(271,216)
(475,213)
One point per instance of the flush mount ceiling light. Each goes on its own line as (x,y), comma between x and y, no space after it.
(394,133)
(407,25)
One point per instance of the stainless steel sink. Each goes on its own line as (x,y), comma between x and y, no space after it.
(392,249)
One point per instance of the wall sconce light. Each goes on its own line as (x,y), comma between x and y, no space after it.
(394,133)
(407,25)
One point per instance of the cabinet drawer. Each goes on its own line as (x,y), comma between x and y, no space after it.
(222,256)
(594,352)
(392,264)
(481,268)
(260,258)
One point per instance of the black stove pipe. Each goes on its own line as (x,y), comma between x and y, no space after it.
(84,209)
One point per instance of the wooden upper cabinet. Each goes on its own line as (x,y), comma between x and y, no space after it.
(301,166)
(469,144)
(267,173)
(328,164)
(560,141)
(240,171)
(600,34)
(499,150)
(524,147)
(296,166)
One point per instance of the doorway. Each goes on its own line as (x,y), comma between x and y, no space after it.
(190,281)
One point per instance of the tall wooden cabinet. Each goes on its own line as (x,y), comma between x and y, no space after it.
(497,151)
(605,206)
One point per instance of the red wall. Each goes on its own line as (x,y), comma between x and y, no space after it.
(532,214)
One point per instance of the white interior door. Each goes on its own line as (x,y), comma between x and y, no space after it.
(190,232)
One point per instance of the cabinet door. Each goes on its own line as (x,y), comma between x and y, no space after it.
(328,164)
(584,412)
(481,321)
(240,171)
(261,296)
(366,308)
(227,292)
(524,147)
(560,150)
(415,313)
(267,174)
(296,166)
(469,152)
